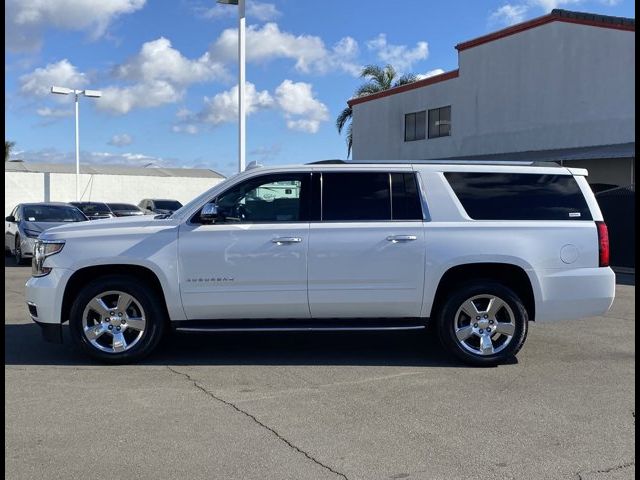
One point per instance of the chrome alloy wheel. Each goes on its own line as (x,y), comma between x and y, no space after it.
(113,321)
(484,325)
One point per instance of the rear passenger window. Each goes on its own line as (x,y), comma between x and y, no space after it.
(356,196)
(405,200)
(519,196)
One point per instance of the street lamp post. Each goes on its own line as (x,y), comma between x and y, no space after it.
(241,79)
(77,93)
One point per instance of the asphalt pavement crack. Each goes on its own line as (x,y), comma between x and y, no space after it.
(258,422)
(607,470)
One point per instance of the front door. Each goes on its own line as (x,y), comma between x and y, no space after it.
(252,262)
(367,255)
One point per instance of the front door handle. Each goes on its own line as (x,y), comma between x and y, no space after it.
(401,238)
(286,240)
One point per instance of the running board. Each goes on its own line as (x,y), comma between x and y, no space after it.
(299,325)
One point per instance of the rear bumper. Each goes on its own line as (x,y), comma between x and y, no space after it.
(572,294)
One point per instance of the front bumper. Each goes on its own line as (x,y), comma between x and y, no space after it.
(44,302)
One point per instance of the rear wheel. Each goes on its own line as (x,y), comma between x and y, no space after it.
(116,319)
(483,323)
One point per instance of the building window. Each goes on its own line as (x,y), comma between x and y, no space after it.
(414,126)
(440,122)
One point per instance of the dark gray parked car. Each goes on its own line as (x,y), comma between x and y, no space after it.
(28,220)
(94,210)
(124,209)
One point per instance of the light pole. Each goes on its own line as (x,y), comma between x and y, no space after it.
(241,79)
(77,93)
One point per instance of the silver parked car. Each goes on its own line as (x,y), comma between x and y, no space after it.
(28,220)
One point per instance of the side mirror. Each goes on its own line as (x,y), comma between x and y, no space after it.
(209,212)
(10,218)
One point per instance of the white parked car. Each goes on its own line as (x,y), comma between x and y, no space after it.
(477,249)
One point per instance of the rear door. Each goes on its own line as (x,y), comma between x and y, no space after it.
(367,254)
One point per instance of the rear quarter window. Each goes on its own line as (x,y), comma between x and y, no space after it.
(519,196)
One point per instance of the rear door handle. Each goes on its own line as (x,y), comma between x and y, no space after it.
(401,238)
(286,240)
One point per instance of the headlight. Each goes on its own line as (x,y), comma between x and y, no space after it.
(31,233)
(42,250)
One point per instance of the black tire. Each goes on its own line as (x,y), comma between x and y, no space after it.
(20,260)
(149,300)
(446,322)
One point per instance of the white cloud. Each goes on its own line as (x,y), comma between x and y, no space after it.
(222,108)
(121,100)
(400,56)
(430,73)
(160,74)
(54,112)
(268,42)
(260,11)
(61,73)
(189,128)
(158,60)
(121,140)
(508,14)
(25,20)
(296,100)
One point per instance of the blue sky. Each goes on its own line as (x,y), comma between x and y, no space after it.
(168,71)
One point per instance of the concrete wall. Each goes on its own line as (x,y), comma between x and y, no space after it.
(21,187)
(559,85)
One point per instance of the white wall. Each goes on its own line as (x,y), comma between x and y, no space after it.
(559,85)
(21,187)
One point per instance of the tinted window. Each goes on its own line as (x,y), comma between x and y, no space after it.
(92,208)
(121,206)
(167,204)
(269,198)
(519,196)
(405,198)
(414,126)
(52,213)
(440,122)
(356,196)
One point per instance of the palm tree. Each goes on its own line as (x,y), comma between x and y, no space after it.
(8,146)
(378,80)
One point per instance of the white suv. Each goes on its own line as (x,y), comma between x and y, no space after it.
(479,250)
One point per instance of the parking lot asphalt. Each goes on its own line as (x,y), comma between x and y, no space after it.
(323,406)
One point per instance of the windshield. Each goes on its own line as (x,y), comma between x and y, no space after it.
(52,213)
(122,206)
(167,204)
(90,209)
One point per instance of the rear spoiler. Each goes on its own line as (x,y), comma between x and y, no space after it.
(578,171)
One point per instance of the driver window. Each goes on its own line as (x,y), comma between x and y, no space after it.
(271,198)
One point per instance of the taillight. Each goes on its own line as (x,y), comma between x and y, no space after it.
(603,244)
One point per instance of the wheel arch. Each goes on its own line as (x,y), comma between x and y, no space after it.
(82,276)
(510,275)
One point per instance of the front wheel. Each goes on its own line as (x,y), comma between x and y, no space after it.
(116,319)
(483,323)
(17,252)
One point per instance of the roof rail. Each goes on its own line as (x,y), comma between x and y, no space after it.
(324,162)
